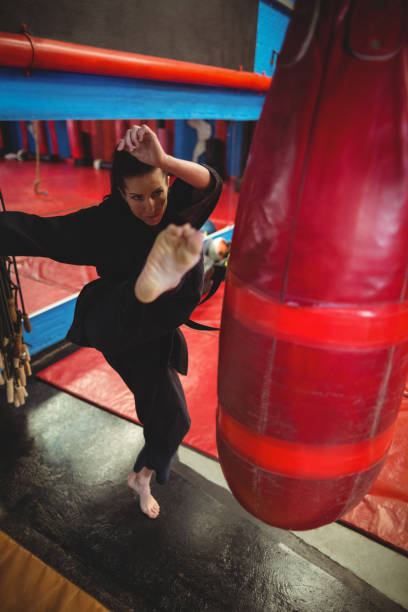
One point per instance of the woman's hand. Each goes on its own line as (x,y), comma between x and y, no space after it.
(141,142)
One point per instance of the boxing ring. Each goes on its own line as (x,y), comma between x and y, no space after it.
(51,80)
(46,79)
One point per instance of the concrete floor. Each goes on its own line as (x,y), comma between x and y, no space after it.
(63,496)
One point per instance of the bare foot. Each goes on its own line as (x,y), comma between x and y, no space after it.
(140,483)
(176,250)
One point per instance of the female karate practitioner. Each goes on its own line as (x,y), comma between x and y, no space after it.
(145,242)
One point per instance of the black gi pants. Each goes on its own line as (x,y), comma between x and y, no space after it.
(141,342)
(160,406)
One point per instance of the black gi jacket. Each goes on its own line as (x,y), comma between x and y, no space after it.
(108,316)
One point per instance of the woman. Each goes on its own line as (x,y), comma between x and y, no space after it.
(144,241)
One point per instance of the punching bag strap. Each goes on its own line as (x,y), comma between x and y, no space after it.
(200,326)
(218,276)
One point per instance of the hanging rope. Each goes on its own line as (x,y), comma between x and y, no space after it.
(14,354)
(37,161)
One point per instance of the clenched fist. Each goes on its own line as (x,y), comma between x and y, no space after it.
(141,142)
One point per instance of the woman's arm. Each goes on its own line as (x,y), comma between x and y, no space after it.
(68,238)
(194,174)
(193,205)
(142,143)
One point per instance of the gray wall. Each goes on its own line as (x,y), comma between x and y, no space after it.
(215,32)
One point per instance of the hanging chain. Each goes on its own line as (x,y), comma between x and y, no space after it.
(14,354)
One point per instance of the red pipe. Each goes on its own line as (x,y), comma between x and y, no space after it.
(108,139)
(164,139)
(24,136)
(94,128)
(45,54)
(53,137)
(169,125)
(42,139)
(221,130)
(75,139)
(120,129)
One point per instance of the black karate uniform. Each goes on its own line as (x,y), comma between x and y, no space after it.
(140,341)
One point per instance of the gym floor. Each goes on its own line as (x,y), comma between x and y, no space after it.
(63,496)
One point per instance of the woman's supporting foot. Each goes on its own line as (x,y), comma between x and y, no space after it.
(140,482)
(175,251)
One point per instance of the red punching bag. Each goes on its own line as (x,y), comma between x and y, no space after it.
(313,349)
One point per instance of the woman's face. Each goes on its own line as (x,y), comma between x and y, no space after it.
(146,196)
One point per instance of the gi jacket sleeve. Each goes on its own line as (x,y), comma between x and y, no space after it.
(196,205)
(73,238)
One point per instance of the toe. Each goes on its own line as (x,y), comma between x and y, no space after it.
(195,243)
(174,230)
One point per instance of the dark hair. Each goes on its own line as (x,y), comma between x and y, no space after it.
(124,165)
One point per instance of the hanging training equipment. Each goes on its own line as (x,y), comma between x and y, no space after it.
(37,190)
(14,354)
(313,348)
